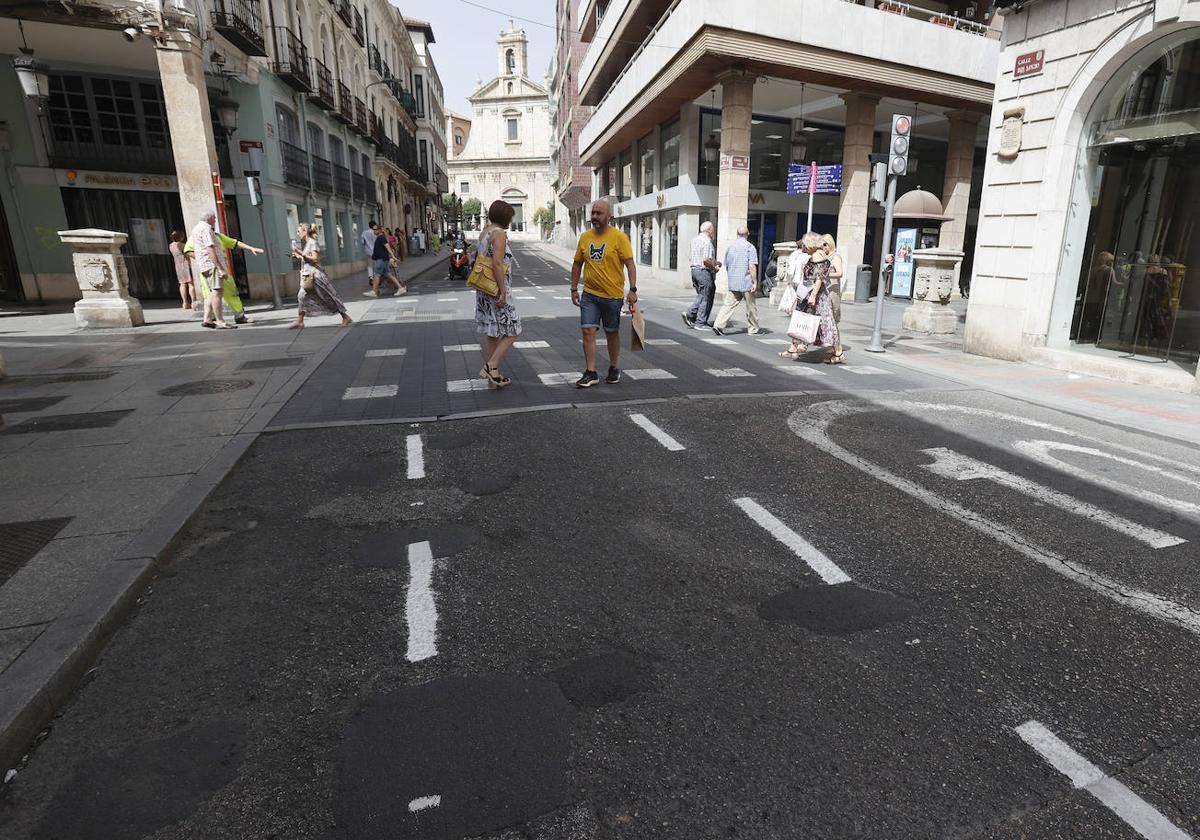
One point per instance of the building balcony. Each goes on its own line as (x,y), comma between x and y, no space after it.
(375,128)
(375,61)
(341,181)
(240,22)
(322,175)
(357,30)
(360,118)
(291,60)
(345,109)
(323,90)
(295,165)
(345,12)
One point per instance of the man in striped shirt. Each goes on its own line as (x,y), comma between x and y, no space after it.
(704,277)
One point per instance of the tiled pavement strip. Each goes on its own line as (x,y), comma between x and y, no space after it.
(127,487)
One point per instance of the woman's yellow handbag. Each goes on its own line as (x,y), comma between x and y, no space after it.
(483,276)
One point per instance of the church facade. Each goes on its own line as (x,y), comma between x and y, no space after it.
(507,149)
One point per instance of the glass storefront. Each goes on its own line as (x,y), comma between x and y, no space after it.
(646,156)
(669,255)
(645,243)
(1138,291)
(670,154)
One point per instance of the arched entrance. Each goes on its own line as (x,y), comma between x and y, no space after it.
(1138,288)
(518,200)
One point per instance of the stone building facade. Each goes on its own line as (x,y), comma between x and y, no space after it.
(572,180)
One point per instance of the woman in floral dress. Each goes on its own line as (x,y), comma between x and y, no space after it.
(495,317)
(818,301)
(322,298)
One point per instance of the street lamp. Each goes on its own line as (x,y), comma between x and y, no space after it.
(227,114)
(33,74)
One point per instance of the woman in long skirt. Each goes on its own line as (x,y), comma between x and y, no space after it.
(818,301)
(495,317)
(317,295)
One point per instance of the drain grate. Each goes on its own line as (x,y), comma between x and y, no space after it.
(68,422)
(287,361)
(28,404)
(19,541)
(205,387)
(34,379)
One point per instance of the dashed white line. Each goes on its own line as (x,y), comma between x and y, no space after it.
(458,386)
(423,802)
(389,351)
(649,373)
(531,345)
(955,466)
(416,457)
(802,548)
(657,433)
(370,392)
(728,372)
(1136,812)
(420,609)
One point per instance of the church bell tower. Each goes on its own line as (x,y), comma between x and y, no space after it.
(512,48)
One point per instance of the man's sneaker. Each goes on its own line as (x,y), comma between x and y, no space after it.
(243,319)
(589,378)
(704,327)
(370,293)
(754,331)
(718,331)
(614,376)
(691,322)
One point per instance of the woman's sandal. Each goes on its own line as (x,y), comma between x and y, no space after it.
(836,358)
(492,375)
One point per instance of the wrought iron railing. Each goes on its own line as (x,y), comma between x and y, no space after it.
(241,23)
(322,172)
(342,7)
(345,109)
(375,60)
(357,29)
(360,117)
(359,183)
(295,165)
(341,180)
(291,60)
(323,90)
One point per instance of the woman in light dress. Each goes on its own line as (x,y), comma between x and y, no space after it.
(495,317)
(183,269)
(819,298)
(322,298)
(836,272)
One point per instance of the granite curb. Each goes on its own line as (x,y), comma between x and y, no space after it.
(41,681)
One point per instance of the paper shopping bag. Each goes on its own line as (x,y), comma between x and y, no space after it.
(803,327)
(637,338)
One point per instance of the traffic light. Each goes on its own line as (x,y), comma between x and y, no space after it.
(879,174)
(898,148)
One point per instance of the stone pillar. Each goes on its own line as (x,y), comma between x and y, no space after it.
(784,249)
(856,185)
(185,92)
(935,279)
(733,184)
(956,192)
(103,281)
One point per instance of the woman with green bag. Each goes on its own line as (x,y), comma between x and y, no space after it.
(495,317)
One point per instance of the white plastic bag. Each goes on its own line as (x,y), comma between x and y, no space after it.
(787,301)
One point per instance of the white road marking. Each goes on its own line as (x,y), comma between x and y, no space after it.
(812,424)
(558,378)
(562,297)
(531,345)
(423,802)
(799,370)
(1040,450)
(728,372)
(458,386)
(370,392)
(1136,812)
(950,464)
(718,341)
(460,348)
(802,548)
(664,342)
(864,370)
(782,341)
(526,297)
(390,351)
(655,432)
(649,373)
(420,609)
(449,300)
(416,457)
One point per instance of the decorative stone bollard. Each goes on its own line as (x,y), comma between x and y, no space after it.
(935,278)
(103,281)
(785,251)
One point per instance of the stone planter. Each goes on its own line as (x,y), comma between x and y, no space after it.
(935,279)
(785,251)
(103,280)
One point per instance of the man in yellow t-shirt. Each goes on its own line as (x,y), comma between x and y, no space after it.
(602,257)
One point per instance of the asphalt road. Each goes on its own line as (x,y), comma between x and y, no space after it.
(880,608)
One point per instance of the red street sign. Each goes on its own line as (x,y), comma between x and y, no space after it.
(812,178)
(1028,64)
(247,145)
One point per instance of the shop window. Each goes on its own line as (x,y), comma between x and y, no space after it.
(646,156)
(710,128)
(625,184)
(770,152)
(670,154)
(646,240)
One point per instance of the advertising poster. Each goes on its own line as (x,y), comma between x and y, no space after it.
(902,276)
(149,236)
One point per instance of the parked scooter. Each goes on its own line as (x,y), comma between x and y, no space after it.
(460,263)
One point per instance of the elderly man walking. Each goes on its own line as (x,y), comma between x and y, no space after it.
(704,277)
(741,265)
(602,257)
(212,270)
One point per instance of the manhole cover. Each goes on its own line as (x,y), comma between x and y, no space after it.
(206,386)
(68,422)
(19,541)
(288,361)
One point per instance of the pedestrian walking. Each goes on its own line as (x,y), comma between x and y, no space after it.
(495,317)
(368,249)
(816,278)
(183,269)
(228,290)
(836,272)
(383,259)
(317,295)
(741,266)
(794,277)
(607,255)
(704,277)
(210,264)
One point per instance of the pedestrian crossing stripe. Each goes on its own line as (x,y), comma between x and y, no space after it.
(370,392)
(558,378)
(865,370)
(531,345)
(649,373)
(388,351)
(526,297)
(799,370)
(457,386)
(664,342)
(718,341)
(460,348)
(728,372)
(773,341)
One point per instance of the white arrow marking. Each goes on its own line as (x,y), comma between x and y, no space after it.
(955,466)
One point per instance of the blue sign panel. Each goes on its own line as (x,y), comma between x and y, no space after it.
(828,180)
(902,267)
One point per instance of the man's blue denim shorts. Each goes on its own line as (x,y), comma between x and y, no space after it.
(381,268)
(595,312)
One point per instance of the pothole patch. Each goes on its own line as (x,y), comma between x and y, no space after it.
(836,610)
(205,387)
(593,681)
(389,549)
(488,485)
(400,501)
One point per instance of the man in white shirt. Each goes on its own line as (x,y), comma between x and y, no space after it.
(368,249)
(211,268)
(704,265)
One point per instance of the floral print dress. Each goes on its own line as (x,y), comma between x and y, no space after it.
(492,320)
(827,332)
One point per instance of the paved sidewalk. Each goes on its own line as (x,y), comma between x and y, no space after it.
(109,442)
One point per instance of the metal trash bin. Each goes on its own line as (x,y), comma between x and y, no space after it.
(862,285)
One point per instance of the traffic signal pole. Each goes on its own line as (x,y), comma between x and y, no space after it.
(897,165)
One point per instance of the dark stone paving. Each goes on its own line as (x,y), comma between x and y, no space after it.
(67,422)
(20,541)
(28,404)
(207,386)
